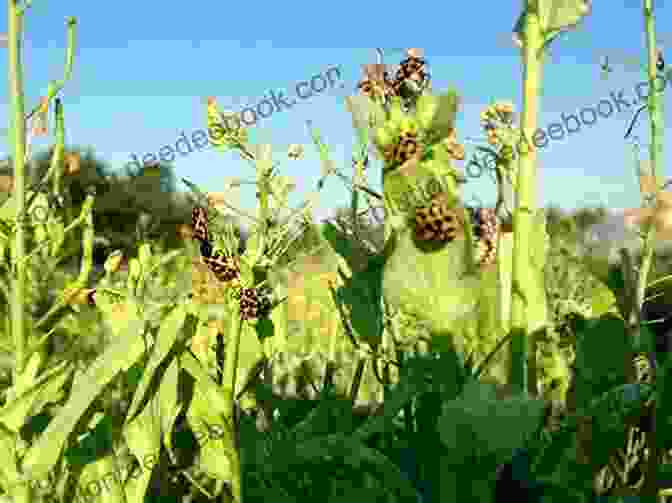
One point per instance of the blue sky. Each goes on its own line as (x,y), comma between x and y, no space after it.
(143,70)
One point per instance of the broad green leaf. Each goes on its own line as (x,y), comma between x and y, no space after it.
(603,349)
(329,417)
(407,389)
(92,454)
(37,210)
(99,479)
(555,17)
(208,412)
(362,296)
(28,377)
(438,113)
(143,437)
(168,402)
(479,424)
(436,285)
(214,396)
(217,446)
(603,300)
(47,389)
(403,190)
(352,453)
(169,330)
(470,482)
(9,470)
(123,352)
(340,245)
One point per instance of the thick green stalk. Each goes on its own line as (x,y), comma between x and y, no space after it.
(228,389)
(56,165)
(264,165)
(656,157)
(88,235)
(17,128)
(525,206)
(657,136)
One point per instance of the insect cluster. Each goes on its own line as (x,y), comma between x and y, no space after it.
(409,80)
(406,148)
(485,226)
(255,302)
(438,222)
(497,120)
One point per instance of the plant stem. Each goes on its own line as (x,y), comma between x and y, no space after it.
(228,388)
(18,135)
(525,201)
(656,157)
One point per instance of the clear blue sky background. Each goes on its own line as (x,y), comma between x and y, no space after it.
(144,68)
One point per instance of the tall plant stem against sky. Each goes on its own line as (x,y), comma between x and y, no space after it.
(18,136)
(656,157)
(525,206)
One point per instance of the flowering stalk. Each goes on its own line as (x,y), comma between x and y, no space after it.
(655,217)
(656,157)
(17,128)
(540,23)
(525,202)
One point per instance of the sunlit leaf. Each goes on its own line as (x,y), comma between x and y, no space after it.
(555,17)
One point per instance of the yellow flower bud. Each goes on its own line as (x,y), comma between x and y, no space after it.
(73,163)
(113,262)
(504,107)
(78,296)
